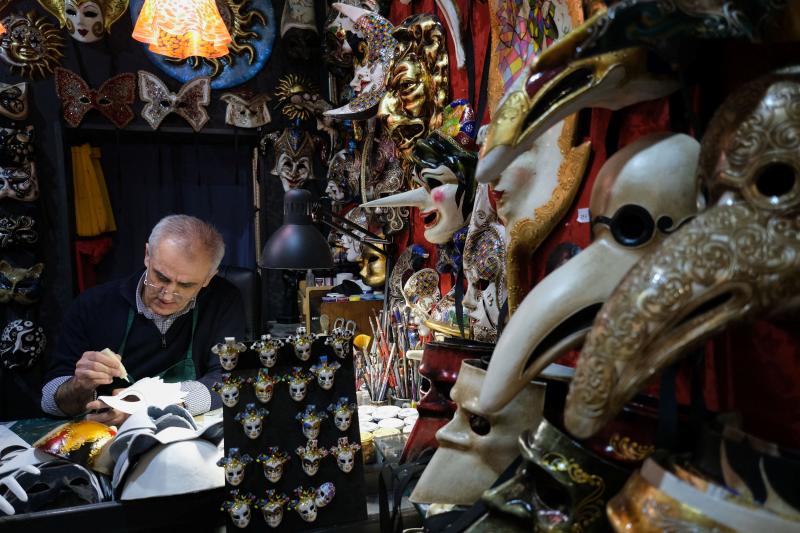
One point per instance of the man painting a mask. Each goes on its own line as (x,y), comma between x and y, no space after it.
(161,321)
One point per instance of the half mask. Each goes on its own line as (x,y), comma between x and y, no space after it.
(113,99)
(22,343)
(87,21)
(475,447)
(79,442)
(244,113)
(642,194)
(14,101)
(18,230)
(21,184)
(16,146)
(738,260)
(31,46)
(190,102)
(21,285)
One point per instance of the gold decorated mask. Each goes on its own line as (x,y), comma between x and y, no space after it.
(80,442)
(31,45)
(373,267)
(86,21)
(738,260)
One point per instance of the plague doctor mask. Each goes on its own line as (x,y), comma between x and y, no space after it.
(642,193)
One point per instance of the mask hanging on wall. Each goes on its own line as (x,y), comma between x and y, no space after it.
(246,113)
(113,99)
(293,150)
(21,285)
(22,344)
(87,21)
(20,184)
(31,46)
(373,267)
(14,101)
(299,29)
(190,102)
(16,146)
(18,230)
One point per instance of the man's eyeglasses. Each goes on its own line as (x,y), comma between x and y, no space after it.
(161,289)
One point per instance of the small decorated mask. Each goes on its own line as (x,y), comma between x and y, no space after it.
(294,156)
(305,504)
(190,102)
(252,420)
(341,174)
(21,285)
(228,389)
(238,508)
(272,507)
(325,494)
(243,113)
(342,412)
(263,385)
(16,146)
(87,21)
(228,352)
(272,461)
(310,421)
(302,343)
(267,349)
(234,464)
(113,98)
(341,336)
(345,453)
(14,101)
(311,456)
(324,371)
(351,245)
(21,344)
(31,45)
(298,383)
(20,184)
(18,230)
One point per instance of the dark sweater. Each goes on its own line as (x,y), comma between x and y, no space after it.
(97,320)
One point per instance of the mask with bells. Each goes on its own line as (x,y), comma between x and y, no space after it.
(476,446)
(238,508)
(228,389)
(641,195)
(324,371)
(298,383)
(263,385)
(373,267)
(272,461)
(31,45)
(325,494)
(252,420)
(341,337)
(294,156)
(228,352)
(305,504)
(22,343)
(302,343)
(272,507)
(311,456)
(345,453)
(267,349)
(310,421)
(342,412)
(234,464)
(738,260)
(87,21)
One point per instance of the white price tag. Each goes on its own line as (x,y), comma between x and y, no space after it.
(583,215)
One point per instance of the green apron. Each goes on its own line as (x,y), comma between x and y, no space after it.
(184,369)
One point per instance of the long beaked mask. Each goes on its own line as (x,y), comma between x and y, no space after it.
(738,260)
(642,193)
(475,447)
(87,21)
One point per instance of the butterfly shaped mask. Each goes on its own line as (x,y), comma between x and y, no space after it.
(190,102)
(14,101)
(113,99)
(244,113)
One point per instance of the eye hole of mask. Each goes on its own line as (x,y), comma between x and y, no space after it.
(630,226)
(776,180)
(479,424)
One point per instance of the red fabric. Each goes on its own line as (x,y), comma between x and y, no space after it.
(88,254)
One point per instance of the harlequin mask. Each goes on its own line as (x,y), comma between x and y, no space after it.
(228,352)
(475,447)
(86,21)
(263,385)
(340,339)
(113,99)
(642,193)
(325,370)
(21,285)
(311,456)
(252,420)
(294,155)
(238,508)
(31,45)
(190,102)
(22,343)
(267,349)
(302,342)
(374,60)
(345,453)
(229,389)
(342,412)
(418,84)
(79,442)
(310,421)
(272,507)
(234,465)
(298,383)
(272,461)
(738,260)
(373,267)
(14,101)
(16,146)
(243,113)
(19,230)
(305,505)
(561,486)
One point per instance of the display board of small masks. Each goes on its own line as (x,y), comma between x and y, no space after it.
(292,448)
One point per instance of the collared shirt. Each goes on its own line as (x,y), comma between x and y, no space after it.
(163,323)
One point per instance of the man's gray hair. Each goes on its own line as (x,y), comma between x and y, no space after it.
(190,232)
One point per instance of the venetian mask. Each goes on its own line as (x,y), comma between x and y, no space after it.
(299,29)
(325,370)
(234,464)
(304,505)
(273,461)
(228,389)
(342,412)
(421,292)
(298,383)
(310,421)
(31,45)
(252,420)
(113,99)
(22,343)
(373,267)
(263,385)
(311,456)
(14,101)
(341,174)
(325,494)
(86,21)
(738,260)
(79,442)
(228,352)
(341,336)
(189,102)
(267,349)
(476,446)
(16,146)
(272,507)
(336,52)
(302,342)
(21,184)
(19,230)
(244,113)
(238,508)
(294,154)
(351,245)
(21,285)
(345,453)
(641,195)
(418,83)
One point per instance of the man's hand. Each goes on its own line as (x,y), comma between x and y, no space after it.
(96,368)
(108,416)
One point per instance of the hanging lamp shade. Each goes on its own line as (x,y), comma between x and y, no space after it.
(182,28)
(2,29)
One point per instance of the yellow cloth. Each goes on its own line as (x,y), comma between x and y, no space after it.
(93,214)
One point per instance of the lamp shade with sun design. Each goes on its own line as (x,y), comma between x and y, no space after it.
(182,28)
